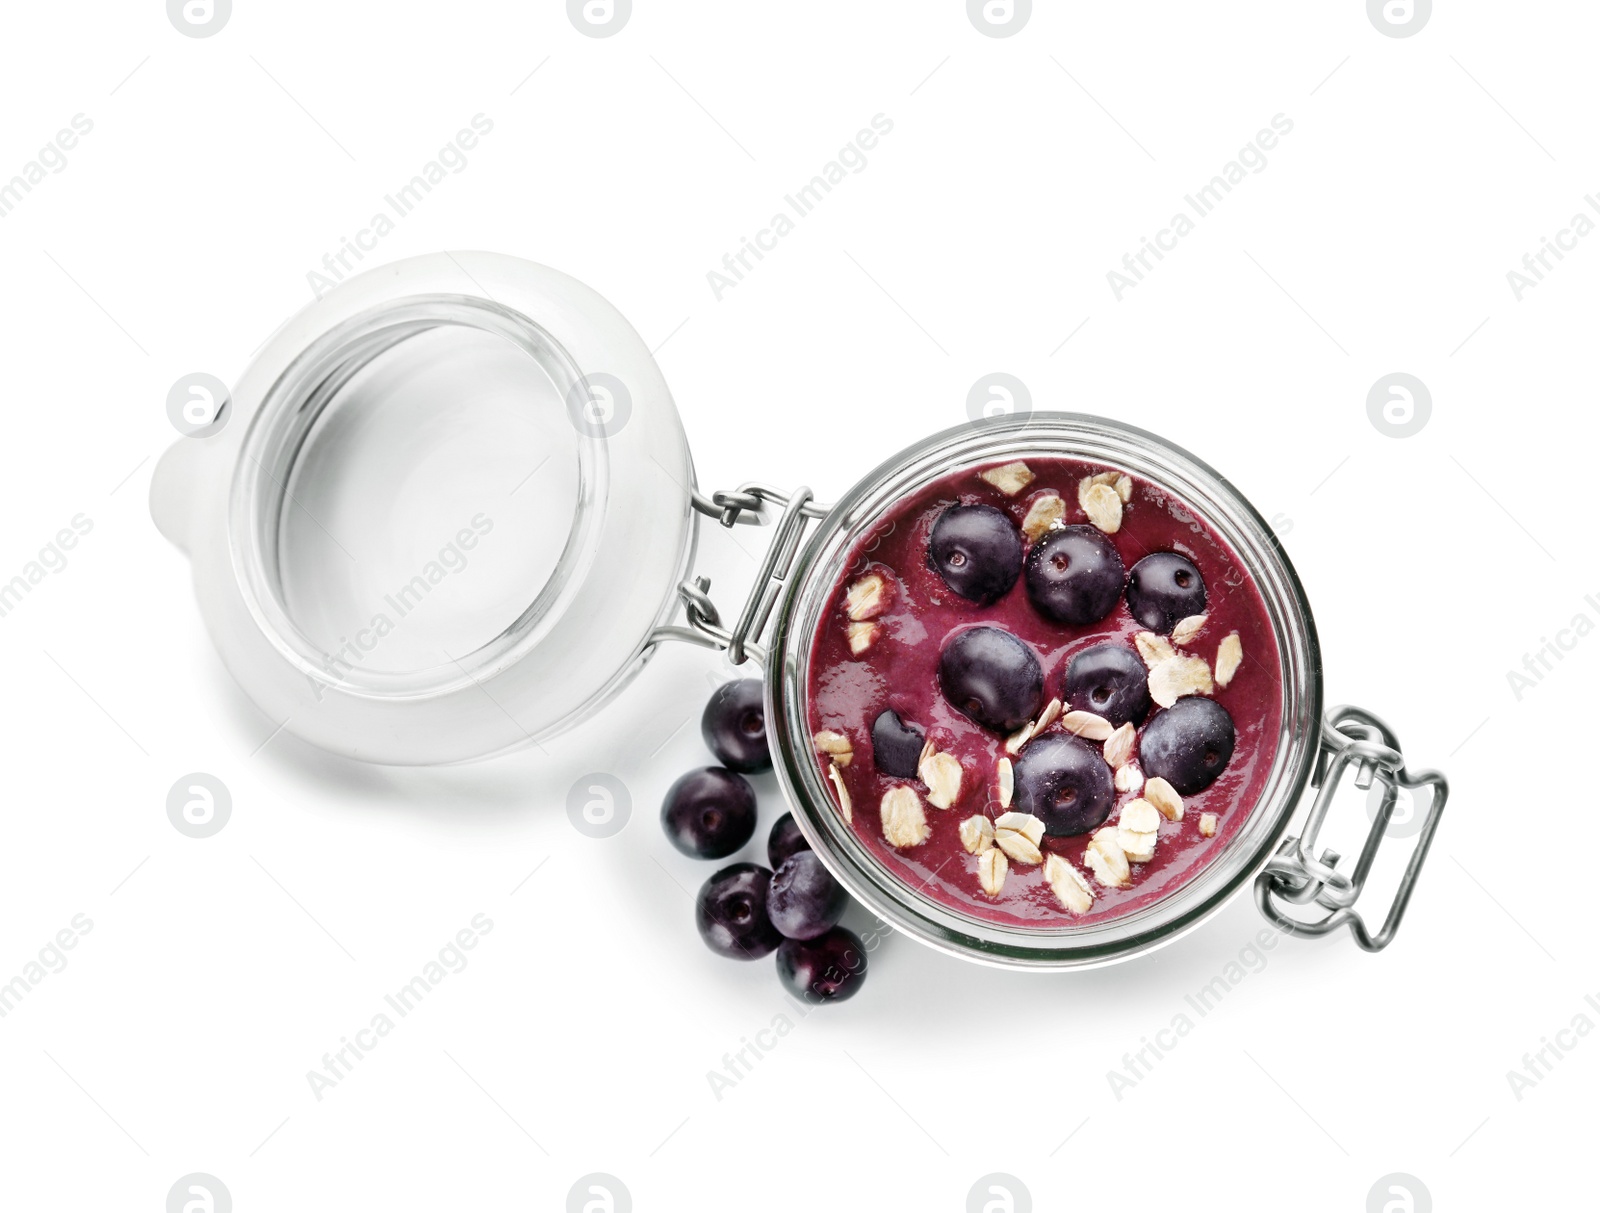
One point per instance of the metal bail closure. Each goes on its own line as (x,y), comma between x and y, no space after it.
(1350,737)
(748,504)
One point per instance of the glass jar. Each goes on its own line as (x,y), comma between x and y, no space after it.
(1097,440)
(335,506)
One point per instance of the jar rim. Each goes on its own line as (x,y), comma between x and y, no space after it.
(1200,487)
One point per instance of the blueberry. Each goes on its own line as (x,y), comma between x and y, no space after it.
(1189,744)
(785,840)
(1074,576)
(805,900)
(731,912)
(977,550)
(1109,680)
(1164,588)
(829,968)
(1064,782)
(735,726)
(993,677)
(709,813)
(896,745)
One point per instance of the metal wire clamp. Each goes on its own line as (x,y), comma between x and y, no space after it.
(1351,737)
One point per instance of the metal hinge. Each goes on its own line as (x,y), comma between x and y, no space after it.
(748,504)
(1350,737)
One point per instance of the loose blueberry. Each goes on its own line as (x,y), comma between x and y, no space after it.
(1074,576)
(1164,588)
(1109,680)
(735,726)
(1064,782)
(829,968)
(785,840)
(731,912)
(977,550)
(1189,744)
(709,813)
(993,677)
(805,900)
(896,745)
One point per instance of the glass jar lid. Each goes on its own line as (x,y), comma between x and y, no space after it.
(442,514)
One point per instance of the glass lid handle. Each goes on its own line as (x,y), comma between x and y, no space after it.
(1351,737)
(750,503)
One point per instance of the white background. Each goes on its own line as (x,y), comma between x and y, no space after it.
(1020,170)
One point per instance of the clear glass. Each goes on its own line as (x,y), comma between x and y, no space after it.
(416,467)
(1002,439)
(438,490)
(450,507)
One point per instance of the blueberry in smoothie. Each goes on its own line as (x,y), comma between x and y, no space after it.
(977,550)
(1075,576)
